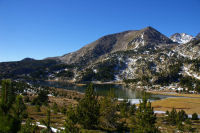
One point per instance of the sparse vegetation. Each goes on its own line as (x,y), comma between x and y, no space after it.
(108,114)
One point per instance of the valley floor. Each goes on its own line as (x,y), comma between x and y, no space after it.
(189,105)
(188,102)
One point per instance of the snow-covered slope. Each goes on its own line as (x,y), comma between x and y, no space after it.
(181,38)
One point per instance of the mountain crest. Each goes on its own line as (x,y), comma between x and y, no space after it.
(181,38)
(151,36)
(128,40)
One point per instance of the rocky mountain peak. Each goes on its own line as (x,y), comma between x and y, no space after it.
(152,35)
(128,40)
(181,38)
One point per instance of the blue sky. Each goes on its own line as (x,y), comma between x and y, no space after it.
(47,28)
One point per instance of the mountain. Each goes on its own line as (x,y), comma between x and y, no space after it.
(128,40)
(143,56)
(181,38)
(26,68)
(190,50)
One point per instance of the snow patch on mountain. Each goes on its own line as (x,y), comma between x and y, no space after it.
(191,74)
(181,38)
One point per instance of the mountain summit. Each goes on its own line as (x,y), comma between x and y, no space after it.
(127,40)
(181,38)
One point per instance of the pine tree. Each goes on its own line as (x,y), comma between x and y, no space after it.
(123,107)
(145,118)
(55,108)
(181,116)
(88,109)
(132,110)
(195,116)
(7,96)
(47,122)
(176,118)
(108,115)
(71,120)
(19,108)
(8,122)
(171,118)
(28,127)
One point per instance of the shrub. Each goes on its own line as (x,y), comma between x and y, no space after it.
(195,116)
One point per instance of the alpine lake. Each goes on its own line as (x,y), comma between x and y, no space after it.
(120,91)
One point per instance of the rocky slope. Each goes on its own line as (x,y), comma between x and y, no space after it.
(128,40)
(181,38)
(190,50)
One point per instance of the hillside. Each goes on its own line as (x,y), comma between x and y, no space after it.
(128,40)
(144,55)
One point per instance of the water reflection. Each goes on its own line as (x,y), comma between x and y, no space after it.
(120,91)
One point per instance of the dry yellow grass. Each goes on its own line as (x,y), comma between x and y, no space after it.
(176,94)
(190,105)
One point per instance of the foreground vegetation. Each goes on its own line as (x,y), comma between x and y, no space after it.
(68,111)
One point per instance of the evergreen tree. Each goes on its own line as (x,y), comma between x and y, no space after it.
(176,118)
(195,116)
(55,108)
(63,110)
(42,98)
(8,123)
(145,118)
(19,108)
(181,116)
(88,109)
(123,107)
(47,122)
(108,115)
(171,118)
(132,110)
(71,120)
(29,127)
(7,96)
(189,126)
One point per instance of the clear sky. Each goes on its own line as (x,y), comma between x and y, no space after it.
(47,28)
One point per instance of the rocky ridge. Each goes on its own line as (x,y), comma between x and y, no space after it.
(181,38)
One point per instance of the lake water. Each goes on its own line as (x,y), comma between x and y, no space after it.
(120,91)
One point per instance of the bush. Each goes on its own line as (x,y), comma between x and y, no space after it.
(55,108)
(63,110)
(26,99)
(37,108)
(42,98)
(195,116)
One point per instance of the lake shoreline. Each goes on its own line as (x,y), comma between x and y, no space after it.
(169,93)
